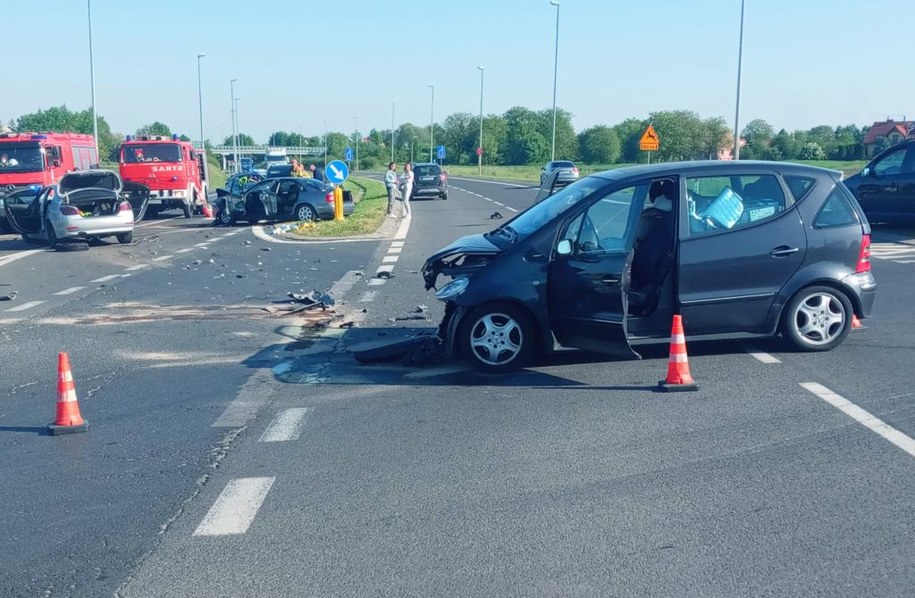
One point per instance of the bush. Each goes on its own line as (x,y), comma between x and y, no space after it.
(811,151)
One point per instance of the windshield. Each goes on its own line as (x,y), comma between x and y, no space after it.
(137,153)
(20,157)
(537,215)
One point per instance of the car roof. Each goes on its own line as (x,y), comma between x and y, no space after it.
(724,167)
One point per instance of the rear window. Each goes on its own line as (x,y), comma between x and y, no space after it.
(427,170)
(800,186)
(836,211)
(563,164)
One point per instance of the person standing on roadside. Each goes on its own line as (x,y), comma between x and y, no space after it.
(390,183)
(406,188)
(318,173)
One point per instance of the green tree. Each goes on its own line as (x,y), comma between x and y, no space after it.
(566,140)
(457,134)
(155,128)
(786,144)
(599,145)
(811,151)
(629,132)
(758,134)
(243,139)
(716,136)
(62,120)
(681,133)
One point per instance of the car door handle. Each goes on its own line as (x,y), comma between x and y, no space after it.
(783,251)
(610,280)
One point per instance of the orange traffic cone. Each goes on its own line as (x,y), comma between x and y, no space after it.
(207,210)
(68,421)
(678,377)
(855,322)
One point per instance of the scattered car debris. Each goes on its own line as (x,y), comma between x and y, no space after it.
(496,216)
(313,299)
(266,249)
(384,275)
(11,296)
(421,309)
(71,247)
(246,243)
(415,351)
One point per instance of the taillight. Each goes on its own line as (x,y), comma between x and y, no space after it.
(125,206)
(574,171)
(864,256)
(69,211)
(329,198)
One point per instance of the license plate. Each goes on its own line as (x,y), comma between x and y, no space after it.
(427,179)
(155,202)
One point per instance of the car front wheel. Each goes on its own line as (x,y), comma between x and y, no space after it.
(497,338)
(818,318)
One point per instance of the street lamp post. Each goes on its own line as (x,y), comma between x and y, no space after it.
(431,123)
(237,138)
(234,136)
(555,74)
(325,143)
(392,131)
(739,68)
(92,82)
(480,147)
(200,99)
(357,140)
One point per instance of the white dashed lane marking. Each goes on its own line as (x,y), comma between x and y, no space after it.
(236,507)
(871,422)
(397,244)
(765,357)
(185,250)
(26,306)
(105,278)
(286,426)
(135,268)
(368,296)
(70,291)
(162,258)
(390,259)
(376,282)
(394,250)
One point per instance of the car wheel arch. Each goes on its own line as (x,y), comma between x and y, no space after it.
(831,283)
(542,334)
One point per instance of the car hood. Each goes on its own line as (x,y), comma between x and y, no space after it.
(462,257)
(89,179)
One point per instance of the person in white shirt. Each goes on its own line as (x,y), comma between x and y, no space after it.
(406,187)
(390,182)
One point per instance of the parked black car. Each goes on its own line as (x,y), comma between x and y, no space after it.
(756,248)
(885,188)
(429,180)
(287,198)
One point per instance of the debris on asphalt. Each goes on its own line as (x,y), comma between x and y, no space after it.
(266,249)
(347,325)
(415,351)
(71,247)
(496,216)
(358,273)
(9,296)
(240,276)
(313,299)
(421,309)
(384,275)
(406,318)
(246,243)
(197,262)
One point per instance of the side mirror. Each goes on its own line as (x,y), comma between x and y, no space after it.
(56,163)
(564,247)
(867,171)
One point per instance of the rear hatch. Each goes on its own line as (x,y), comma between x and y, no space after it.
(427,175)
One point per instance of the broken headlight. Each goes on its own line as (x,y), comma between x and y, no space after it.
(452,289)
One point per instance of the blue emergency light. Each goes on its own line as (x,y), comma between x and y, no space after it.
(39,136)
(174,136)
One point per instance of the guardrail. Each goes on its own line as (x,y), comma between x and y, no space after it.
(299,150)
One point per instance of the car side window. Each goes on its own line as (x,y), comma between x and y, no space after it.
(891,163)
(836,211)
(800,186)
(604,227)
(728,203)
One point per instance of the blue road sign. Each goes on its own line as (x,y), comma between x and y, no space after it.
(440,152)
(337,171)
(348,154)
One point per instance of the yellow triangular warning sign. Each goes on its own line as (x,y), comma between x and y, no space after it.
(650,142)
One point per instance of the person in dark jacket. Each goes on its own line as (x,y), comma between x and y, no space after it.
(318,174)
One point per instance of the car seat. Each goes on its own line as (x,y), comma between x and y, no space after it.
(654,250)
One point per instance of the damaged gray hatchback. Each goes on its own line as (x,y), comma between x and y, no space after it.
(737,248)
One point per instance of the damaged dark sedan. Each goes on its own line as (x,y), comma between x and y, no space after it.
(736,248)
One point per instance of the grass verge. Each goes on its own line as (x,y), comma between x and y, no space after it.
(371,205)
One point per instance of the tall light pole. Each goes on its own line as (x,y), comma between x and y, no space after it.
(200,99)
(358,141)
(480,147)
(325,143)
(237,138)
(234,136)
(555,74)
(739,68)
(431,123)
(392,131)
(92,82)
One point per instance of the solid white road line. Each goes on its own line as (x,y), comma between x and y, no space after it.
(162,258)
(403,229)
(861,416)
(26,306)
(135,268)
(234,510)
(390,259)
(510,208)
(287,425)
(9,259)
(905,261)
(106,278)
(254,393)
(765,357)
(185,250)
(70,291)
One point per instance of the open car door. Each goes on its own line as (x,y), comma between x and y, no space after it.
(589,275)
(138,196)
(550,186)
(24,210)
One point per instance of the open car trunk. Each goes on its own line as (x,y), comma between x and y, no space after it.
(93,203)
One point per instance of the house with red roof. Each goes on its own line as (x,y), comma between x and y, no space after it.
(893,131)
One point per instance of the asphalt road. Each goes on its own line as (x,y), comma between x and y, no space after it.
(234,452)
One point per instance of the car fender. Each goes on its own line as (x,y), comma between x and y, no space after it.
(824,274)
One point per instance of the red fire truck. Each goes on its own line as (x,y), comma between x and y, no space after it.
(40,159)
(175,172)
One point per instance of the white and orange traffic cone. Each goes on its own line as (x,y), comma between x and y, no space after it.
(207,210)
(855,322)
(678,376)
(69,420)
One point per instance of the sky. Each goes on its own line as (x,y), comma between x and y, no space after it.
(299,64)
